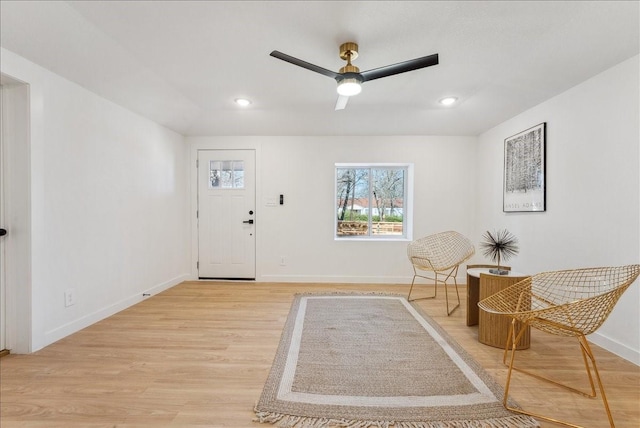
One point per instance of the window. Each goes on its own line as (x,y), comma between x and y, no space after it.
(226,174)
(372,201)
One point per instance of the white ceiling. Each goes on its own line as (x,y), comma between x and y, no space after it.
(182,63)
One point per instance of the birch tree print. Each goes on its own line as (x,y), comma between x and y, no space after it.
(523,162)
(524,175)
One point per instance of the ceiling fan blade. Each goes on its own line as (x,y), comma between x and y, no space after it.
(401,67)
(304,64)
(341,103)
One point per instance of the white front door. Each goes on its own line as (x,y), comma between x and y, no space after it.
(226,214)
(3,304)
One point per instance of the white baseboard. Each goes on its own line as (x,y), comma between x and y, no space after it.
(65,330)
(335,279)
(615,347)
(402,280)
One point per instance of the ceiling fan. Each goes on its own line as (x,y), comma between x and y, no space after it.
(349,78)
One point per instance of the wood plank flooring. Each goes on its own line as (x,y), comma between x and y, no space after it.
(198,354)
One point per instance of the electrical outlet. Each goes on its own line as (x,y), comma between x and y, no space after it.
(70,297)
(283,261)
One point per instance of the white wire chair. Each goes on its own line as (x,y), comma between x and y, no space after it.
(568,303)
(438,256)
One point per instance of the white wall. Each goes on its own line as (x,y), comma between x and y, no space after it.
(109,204)
(302,168)
(593,187)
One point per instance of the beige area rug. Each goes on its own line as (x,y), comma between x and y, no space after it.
(365,360)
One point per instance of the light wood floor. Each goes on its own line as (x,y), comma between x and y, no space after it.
(198,355)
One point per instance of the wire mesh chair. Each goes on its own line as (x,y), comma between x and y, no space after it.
(568,303)
(439,255)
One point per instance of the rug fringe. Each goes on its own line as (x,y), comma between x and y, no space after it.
(291,421)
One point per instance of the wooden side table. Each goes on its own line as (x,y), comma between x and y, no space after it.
(493,329)
(473,289)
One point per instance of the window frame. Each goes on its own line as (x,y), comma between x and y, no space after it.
(407,209)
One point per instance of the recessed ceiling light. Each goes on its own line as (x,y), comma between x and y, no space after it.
(448,101)
(242,102)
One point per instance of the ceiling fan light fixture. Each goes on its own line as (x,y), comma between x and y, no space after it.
(349,86)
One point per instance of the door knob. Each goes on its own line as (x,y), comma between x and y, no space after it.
(248,221)
(3,232)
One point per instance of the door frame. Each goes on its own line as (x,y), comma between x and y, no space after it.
(219,143)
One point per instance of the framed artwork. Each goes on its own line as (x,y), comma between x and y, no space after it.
(524,171)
